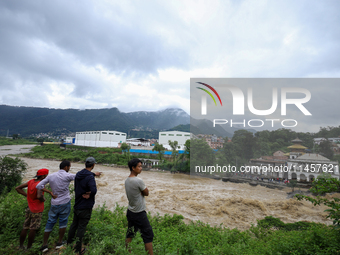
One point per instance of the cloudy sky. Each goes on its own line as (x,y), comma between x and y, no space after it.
(140,55)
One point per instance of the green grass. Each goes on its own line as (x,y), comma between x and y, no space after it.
(106,234)
(80,153)
(102,155)
(7,141)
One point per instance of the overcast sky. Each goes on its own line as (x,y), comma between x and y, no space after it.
(140,55)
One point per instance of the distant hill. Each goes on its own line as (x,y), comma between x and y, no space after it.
(33,120)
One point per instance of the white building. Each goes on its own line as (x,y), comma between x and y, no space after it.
(333,140)
(138,142)
(309,166)
(70,140)
(179,136)
(100,138)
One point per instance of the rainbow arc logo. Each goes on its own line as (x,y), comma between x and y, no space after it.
(213,90)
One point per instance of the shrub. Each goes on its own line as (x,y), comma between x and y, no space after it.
(11,171)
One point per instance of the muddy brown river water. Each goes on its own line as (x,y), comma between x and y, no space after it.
(196,198)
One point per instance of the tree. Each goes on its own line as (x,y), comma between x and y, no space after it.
(159,147)
(185,155)
(11,171)
(174,146)
(325,183)
(325,148)
(15,136)
(187,148)
(245,142)
(126,149)
(201,155)
(292,184)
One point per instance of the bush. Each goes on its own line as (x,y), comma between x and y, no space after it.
(106,234)
(270,222)
(11,171)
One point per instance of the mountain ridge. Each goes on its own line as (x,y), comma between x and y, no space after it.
(28,121)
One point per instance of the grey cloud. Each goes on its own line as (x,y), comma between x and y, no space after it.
(81,30)
(44,42)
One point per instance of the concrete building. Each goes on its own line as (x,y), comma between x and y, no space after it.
(333,140)
(264,163)
(70,140)
(179,136)
(100,138)
(138,142)
(309,166)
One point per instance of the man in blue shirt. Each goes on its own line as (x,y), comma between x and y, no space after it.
(85,191)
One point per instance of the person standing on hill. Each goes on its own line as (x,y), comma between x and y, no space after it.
(136,215)
(61,205)
(33,213)
(85,192)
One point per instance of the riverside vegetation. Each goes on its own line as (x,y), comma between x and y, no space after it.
(106,232)
(102,156)
(18,140)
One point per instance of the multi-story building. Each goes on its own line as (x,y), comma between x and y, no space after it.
(309,166)
(179,136)
(100,138)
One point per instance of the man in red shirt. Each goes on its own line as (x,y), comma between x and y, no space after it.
(33,213)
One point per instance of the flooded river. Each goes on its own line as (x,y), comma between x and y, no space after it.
(210,201)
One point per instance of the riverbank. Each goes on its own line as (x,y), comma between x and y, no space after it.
(218,216)
(106,235)
(234,205)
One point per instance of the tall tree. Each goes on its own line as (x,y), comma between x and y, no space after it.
(126,149)
(325,148)
(11,171)
(174,146)
(187,148)
(244,141)
(201,154)
(160,149)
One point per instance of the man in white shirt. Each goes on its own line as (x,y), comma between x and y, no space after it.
(61,205)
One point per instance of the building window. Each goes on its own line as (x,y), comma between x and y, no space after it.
(110,133)
(186,135)
(163,134)
(171,135)
(105,133)
(117,134)
(124,134)
(178,135)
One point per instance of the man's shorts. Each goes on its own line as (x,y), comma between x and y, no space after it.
(58,211)
(139,221)
(32,220)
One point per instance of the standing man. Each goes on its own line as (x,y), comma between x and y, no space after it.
(33,213)
(85,189)
(61,205)
(136,215)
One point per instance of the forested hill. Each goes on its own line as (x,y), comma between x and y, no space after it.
(33,120)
